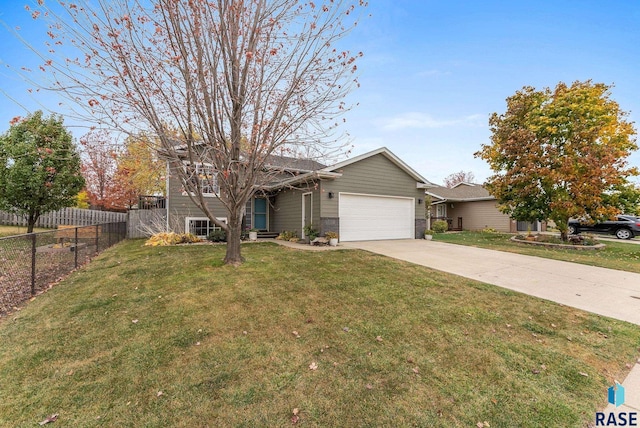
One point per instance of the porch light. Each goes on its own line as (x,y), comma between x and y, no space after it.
(330,195)
(419,201)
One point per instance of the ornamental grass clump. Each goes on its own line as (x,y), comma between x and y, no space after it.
(165,239)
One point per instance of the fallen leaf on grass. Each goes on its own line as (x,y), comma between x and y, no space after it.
(296,411)
(415,370)
(369,386)
(134,321)
(379,338)
(583,374)
(50,419)
(345,328)
(295,419)
(313,366)
(159,394)
(295,333)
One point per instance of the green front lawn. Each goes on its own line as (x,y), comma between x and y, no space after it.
(618,255)
(162,337)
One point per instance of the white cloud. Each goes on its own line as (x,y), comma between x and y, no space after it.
(415,120)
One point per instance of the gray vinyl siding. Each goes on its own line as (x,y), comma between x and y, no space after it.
(376,175)
(479,215)
(180,206)
(287,210)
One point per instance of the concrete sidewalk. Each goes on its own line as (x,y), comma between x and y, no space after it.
(608,292)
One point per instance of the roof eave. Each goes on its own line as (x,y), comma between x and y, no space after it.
(314,175)
(443,199)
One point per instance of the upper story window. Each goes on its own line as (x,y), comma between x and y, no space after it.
(205,175)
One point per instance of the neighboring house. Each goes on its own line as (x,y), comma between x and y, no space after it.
(469,206)
(372,196)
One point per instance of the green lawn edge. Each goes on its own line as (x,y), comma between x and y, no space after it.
(615,255)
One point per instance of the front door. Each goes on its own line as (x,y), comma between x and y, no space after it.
(260,213)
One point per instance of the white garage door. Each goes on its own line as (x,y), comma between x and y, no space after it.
(373,217)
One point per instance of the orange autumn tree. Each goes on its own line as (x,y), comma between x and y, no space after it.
(99,165)
(559,154)
(250,78)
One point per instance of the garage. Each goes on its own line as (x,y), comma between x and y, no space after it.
(375,217)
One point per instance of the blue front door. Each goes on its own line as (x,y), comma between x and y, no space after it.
(260,213)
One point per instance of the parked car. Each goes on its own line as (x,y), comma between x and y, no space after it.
(624,227)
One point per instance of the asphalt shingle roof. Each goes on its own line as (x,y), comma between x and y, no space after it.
(461,192)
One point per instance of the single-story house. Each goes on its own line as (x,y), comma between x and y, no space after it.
(369,197)
(470,206)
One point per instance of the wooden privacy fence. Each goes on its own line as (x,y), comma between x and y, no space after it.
(140,223)
(67,217)
(143,223)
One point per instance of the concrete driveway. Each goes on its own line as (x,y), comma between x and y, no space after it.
(608,292)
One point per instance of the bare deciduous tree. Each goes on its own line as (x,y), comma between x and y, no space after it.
(226,83)
(458,177)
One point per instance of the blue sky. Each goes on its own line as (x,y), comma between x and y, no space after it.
(434,71)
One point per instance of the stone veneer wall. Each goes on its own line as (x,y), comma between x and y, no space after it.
(421,226)
(329,224)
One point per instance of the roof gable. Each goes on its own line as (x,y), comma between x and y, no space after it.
(422,182)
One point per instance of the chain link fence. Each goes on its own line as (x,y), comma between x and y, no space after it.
(29,263)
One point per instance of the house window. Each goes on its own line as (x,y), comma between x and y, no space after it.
(203,175)
(201,226)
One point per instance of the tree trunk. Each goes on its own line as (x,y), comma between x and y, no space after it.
(234,229)
(31,222)
(563,226)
